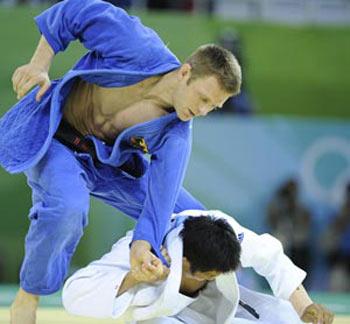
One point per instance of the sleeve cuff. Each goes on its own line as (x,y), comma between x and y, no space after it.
(291,283)
(154,248)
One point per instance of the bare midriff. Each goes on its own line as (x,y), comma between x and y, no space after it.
(106,112)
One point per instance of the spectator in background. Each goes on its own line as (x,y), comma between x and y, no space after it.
(182,5)
(124,4)
(336,244)
(241,104)
(158,4)
(290,222)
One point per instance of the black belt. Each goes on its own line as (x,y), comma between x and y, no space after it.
(249,309)
(70,137)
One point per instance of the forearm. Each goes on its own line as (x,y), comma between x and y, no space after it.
(300,300)
(166,174)
(128,283)
(270,262)
(186,201)
(43,55)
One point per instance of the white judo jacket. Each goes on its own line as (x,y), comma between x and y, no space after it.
(91,291)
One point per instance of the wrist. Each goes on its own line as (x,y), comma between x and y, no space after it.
(131,279)
(128,282)
(300,300)
(141,244)
(40,65)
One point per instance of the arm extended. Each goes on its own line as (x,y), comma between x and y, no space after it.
(308,311)
(265,254)
(166,174)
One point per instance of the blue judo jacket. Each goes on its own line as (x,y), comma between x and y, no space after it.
(121,52)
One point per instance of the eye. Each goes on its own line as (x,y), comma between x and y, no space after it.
(205,100)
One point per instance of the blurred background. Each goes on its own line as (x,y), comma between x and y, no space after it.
(277,157)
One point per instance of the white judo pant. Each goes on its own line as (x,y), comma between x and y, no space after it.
(270,309)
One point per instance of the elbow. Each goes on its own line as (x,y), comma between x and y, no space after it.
(269,251)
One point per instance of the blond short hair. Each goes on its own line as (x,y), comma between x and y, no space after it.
(215,60)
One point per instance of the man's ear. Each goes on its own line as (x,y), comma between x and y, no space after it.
(186,264)
(185,71)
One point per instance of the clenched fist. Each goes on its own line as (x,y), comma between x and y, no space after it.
(145,266)
(317,314)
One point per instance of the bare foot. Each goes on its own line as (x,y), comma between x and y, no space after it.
(23,308)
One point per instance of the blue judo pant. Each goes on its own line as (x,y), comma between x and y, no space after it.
(62,183)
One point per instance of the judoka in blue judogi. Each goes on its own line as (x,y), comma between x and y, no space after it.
(140,170)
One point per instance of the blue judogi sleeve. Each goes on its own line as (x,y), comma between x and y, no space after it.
(101,27)
(166,174)
(186,201)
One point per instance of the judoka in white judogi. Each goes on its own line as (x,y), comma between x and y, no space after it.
(92,291)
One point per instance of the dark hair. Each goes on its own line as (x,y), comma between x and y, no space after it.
(210,244)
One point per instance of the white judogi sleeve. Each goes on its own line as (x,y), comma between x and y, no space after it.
(92,290)
(265,255)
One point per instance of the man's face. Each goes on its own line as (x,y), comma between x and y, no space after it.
(198,97)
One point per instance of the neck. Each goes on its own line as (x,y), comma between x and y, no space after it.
(163,90)
(191,287)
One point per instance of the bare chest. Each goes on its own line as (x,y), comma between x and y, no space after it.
(105,112)
(120,108)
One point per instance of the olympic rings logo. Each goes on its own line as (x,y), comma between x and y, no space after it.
(331,147)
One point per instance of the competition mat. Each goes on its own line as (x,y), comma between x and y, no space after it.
(51,311)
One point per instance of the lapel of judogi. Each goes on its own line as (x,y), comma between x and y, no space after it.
(227,306)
